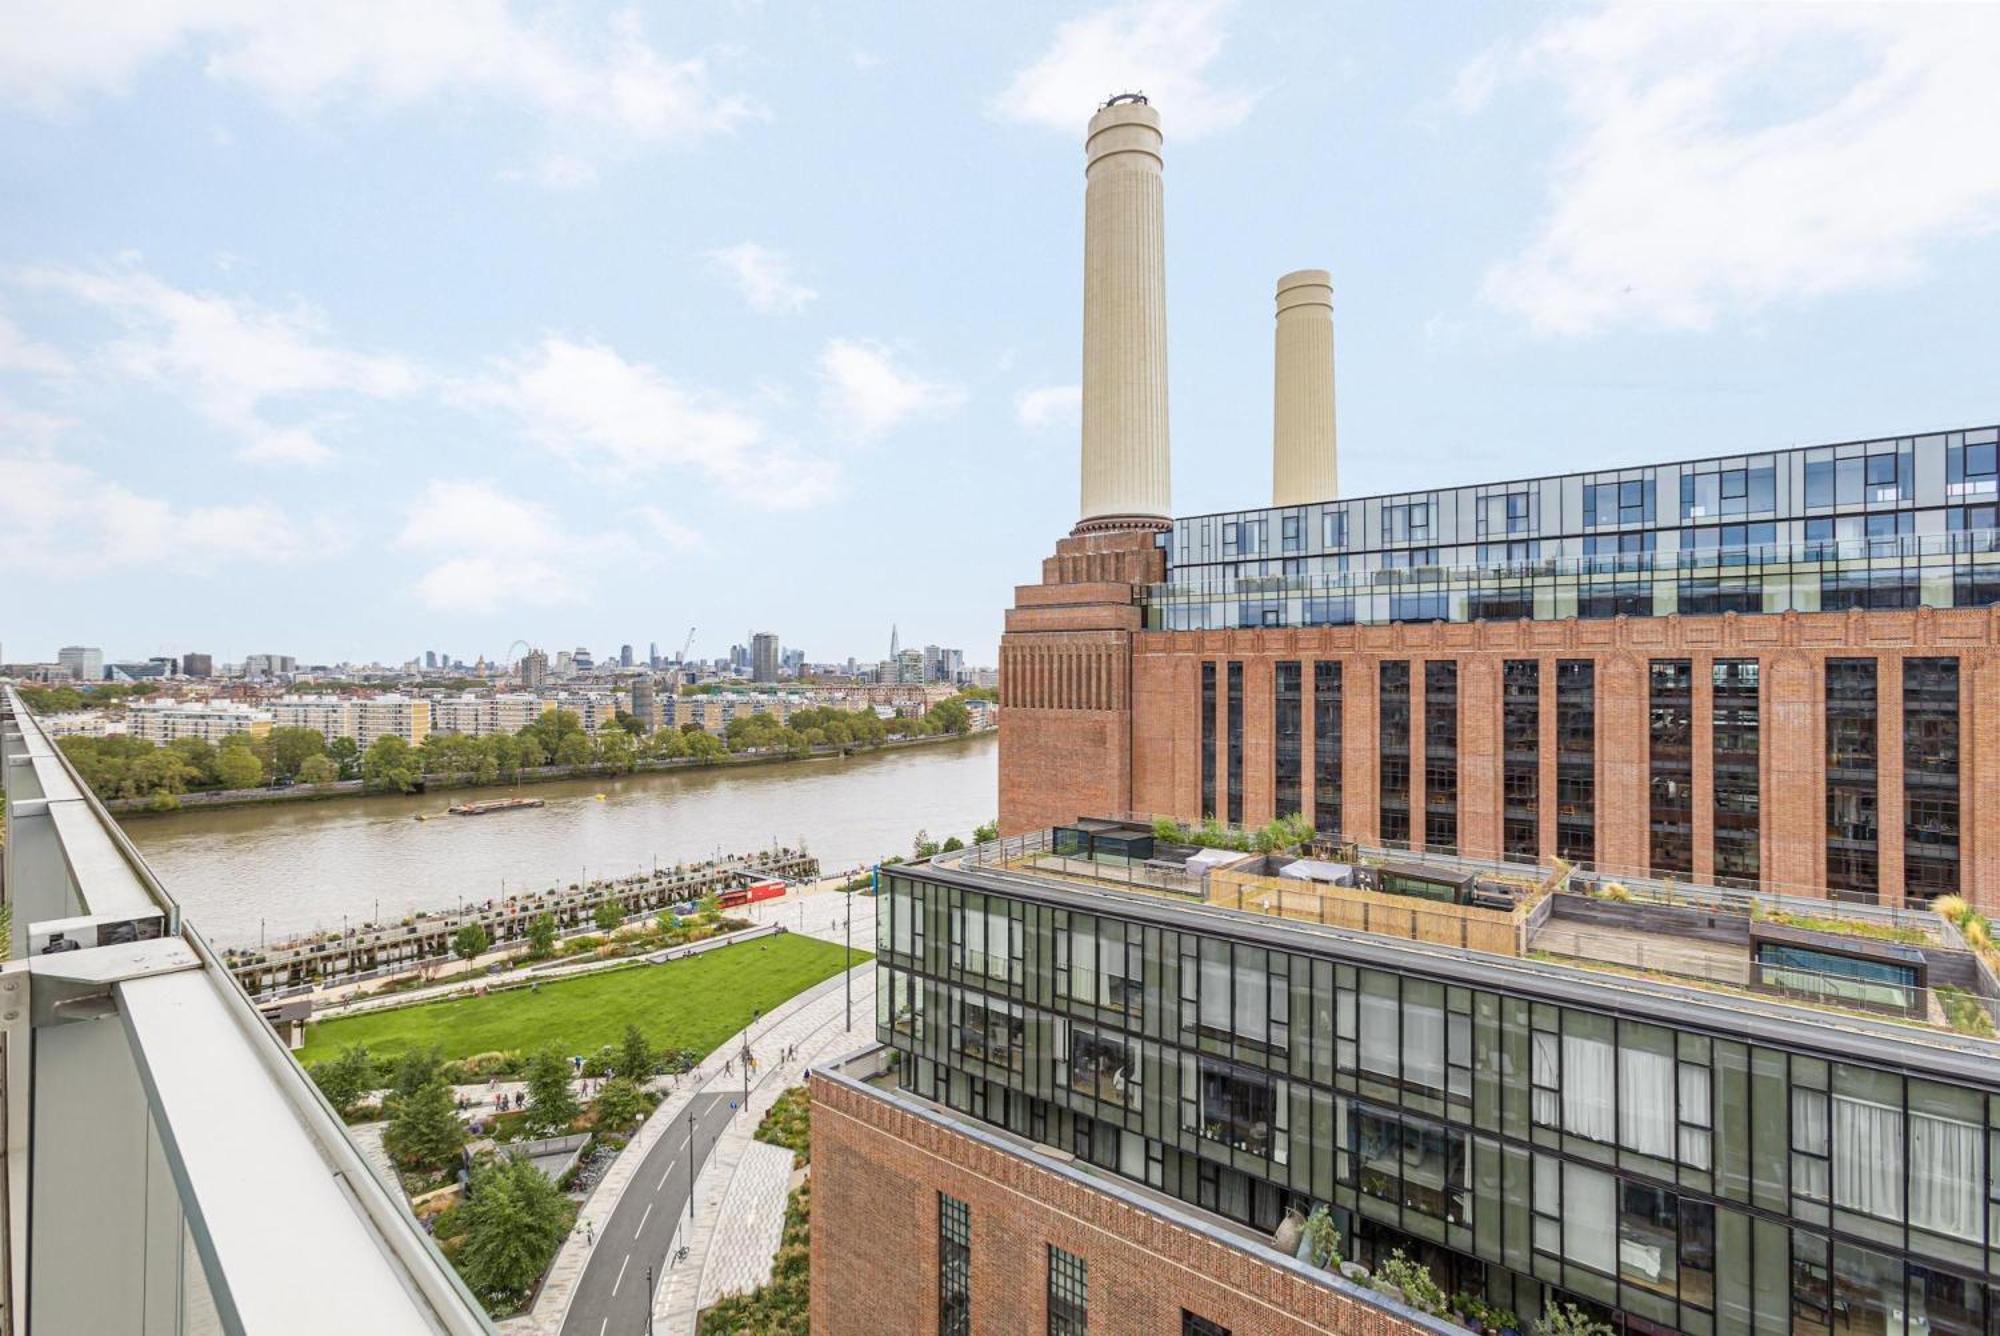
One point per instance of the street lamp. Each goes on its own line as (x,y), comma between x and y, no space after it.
(754,1014)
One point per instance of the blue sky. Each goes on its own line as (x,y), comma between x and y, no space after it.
(355,330)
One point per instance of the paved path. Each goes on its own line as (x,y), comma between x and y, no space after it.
(724,1247)
(752,1223)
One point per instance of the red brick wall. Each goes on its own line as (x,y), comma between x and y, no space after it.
(877,1169)
(1145,757)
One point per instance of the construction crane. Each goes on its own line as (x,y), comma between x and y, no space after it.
(680,665)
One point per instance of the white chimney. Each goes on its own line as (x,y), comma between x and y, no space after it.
(1305,453)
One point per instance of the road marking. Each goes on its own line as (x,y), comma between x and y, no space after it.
(602,1325)
(642,1221)
(621,1275)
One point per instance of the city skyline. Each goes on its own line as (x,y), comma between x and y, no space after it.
(231,412)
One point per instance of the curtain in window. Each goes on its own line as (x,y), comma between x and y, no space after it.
(901,907)
(999,941)
(1215,990)
(1083,964)
(1250,1002)
(1590,1217)
(1810,1133)
(1379,1039)
(1646,1102)
(1423,1046)
(1548,1077)
(1868,1157)
(1946,1169)
(1589,1081)
(1694,1106)
(1110,965)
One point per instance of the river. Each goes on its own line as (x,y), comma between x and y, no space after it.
(286,868)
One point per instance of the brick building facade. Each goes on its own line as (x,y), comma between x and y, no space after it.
(882,1166)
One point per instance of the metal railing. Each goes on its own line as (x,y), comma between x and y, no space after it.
(174,1168)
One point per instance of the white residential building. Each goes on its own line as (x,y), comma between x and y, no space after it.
(210,721)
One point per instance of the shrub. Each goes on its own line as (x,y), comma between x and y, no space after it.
(1569,1320)
(1420,1291)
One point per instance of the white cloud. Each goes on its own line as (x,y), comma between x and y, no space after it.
(19,353)
(230,359)
(588,404)
(488,550)
(763,276)
(77,522)
(664,529)
(374,54)
(1162,49)
(1726,158)
(865,394)
(556,171)
(1049,406)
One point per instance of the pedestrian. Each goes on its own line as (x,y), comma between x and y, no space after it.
(589,1235)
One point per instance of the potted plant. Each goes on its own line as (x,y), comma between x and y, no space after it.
(1322,1239)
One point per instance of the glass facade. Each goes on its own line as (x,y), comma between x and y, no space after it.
(1441,755)
(1521,773)
(1670,765)
(1288,728)
(1930,778)
(1872,524)
(1736,731)
(1235,743)
(1326,748)
(1393,736)
(1687,1170)
(1576,760)
(1853,816)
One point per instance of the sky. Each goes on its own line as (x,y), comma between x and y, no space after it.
(350,331)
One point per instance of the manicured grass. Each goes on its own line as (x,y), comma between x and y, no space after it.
(694,1003)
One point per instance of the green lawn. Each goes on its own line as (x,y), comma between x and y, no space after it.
(695,1003)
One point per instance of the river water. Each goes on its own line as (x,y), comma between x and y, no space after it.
(288,868)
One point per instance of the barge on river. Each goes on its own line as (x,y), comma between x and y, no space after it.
(497,805)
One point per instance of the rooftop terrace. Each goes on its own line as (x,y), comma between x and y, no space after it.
(1896,973)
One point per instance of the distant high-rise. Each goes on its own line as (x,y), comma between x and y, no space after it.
(534,669)
(645,704)
(581,660)
(624,656)
(85,663)
(198,665)
(652,654)
(895,644)
(430,658)
(763,657)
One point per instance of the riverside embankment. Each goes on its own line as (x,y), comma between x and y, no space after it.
(292,868)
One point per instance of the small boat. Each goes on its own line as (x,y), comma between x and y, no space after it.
(600,797)
(497,805)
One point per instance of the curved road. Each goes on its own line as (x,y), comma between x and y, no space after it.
(611,1297)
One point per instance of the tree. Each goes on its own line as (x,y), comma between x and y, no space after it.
(620,1103)
(318,770)
(542,936)
(573,749)
(987,833)
(345,753)
(345,1079)
(424,1130)
(616,751)
(291,748)
(551,1103)
(636,1058)
(923,846)
(238,767)
(470,942)
(952,844)
(609,915)
(414,1070)
(514,1219)
(390,764)
(950,716)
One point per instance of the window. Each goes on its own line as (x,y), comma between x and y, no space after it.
(1441,756)
(1576,760)
(1101,963)
(1288,533)
(1104,1067)
(990,1032)
(1671,765)
(1930,778)
(1233,1106)
(1819,482)
(1737,740)
(1972,469)
(1521,775)
(1852,815)
(1208,739)
(1411,1163)
(1193,1324)
(1333,528)
(1069,1293)
(1629,502)
(954,1267)
(1867,1141)
(1648,1091)
(1235,743)
(1648,1230)
(985,940)
(1394,744)
(1409,523)
(1288,722)
(1575,1077)
(1326,748)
